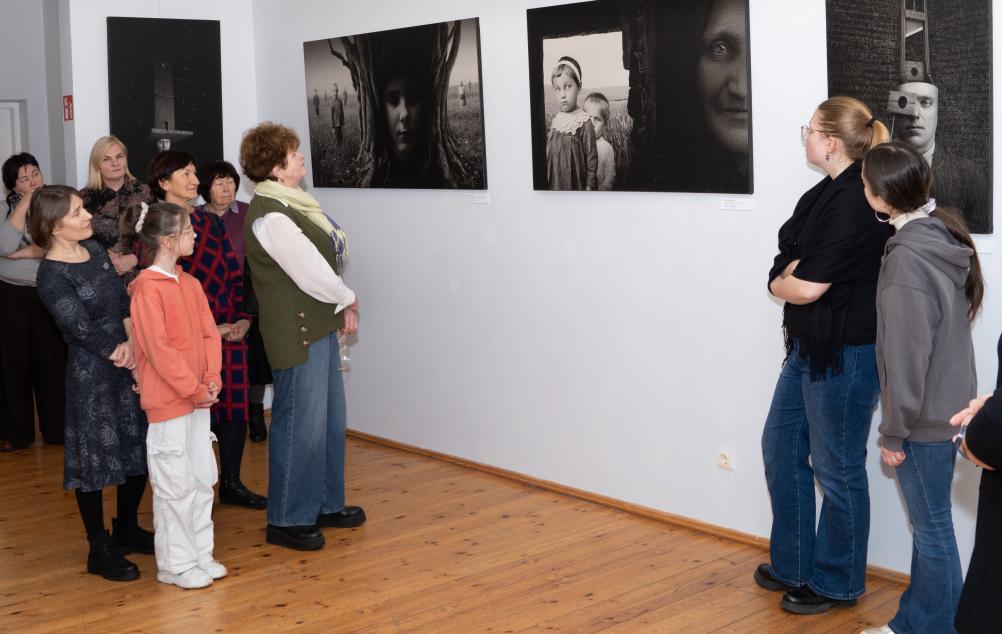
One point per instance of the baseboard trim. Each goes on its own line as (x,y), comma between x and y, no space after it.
(588,496)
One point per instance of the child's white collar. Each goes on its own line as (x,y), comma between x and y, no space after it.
(569,122)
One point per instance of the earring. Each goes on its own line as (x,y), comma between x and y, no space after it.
(828,157)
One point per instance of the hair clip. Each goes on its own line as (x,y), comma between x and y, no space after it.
(928,207)
(142,216)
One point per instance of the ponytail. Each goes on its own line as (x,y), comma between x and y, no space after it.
(878,134)
(974,289)
(849,120)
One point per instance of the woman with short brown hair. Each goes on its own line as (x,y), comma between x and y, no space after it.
(296,254)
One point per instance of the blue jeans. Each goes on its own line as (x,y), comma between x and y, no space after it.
(306,439)
(827,421)
(930,600)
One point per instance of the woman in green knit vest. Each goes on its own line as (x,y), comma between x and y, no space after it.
(296,254)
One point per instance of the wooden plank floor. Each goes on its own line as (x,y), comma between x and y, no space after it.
(446,549)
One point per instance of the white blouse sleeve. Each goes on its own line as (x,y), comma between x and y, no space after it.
(299,258)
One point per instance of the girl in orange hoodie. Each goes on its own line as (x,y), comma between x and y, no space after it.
(178,356)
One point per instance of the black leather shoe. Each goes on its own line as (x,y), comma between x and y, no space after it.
(233,491)
(106,560)
(258,430)
(806,601)
(295,537)
(131,538)
(764,578)
(348,517)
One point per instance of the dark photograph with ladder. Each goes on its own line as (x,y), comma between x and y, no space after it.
(924,68)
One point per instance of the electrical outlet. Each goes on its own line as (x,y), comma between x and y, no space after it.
(726,458)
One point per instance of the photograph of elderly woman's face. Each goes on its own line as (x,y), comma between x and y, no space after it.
(666,87)
(375,103)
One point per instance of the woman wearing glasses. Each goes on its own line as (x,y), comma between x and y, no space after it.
(32,352)
(819,421)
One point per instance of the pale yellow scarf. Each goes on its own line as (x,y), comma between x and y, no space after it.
(301,201)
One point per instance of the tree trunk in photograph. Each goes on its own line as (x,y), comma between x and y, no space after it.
(638,40)
(443,141)
(358,60)
(359,57)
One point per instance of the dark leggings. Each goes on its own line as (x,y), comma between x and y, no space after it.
(231,436)
(257,394)
(91,503)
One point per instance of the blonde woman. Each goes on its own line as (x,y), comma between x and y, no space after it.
(818,424)
(111,189)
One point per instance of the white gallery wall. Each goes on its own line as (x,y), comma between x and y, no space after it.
(87,80)
(610,342)
(23,68)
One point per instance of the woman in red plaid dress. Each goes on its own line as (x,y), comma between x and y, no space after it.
(173,179)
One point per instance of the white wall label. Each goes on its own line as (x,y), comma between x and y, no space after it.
(478,198)
(737,204)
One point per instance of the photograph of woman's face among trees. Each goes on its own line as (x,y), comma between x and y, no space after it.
(399,108)
(626,95)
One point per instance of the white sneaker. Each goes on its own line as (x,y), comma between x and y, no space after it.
(214,569)
(883,629)
(189,579)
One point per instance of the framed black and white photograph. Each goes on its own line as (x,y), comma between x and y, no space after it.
(639,95)
(400,108)
(924,68)
(165,88)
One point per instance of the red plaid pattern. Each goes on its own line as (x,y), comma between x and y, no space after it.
(215,265)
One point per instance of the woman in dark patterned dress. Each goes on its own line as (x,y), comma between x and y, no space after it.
(105,427)
(111,189)
(173,178)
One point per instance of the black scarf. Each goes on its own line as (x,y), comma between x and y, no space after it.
(816,330)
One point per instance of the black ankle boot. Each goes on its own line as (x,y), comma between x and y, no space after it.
(233,491)
(258,431)
(106,560)
(130,538)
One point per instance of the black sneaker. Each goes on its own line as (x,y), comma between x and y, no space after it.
(131,538)
(295,537)
(807,601)
(106,560)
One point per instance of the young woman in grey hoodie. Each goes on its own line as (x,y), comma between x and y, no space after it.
(929,290)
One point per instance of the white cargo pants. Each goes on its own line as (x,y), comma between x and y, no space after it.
(182,471)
